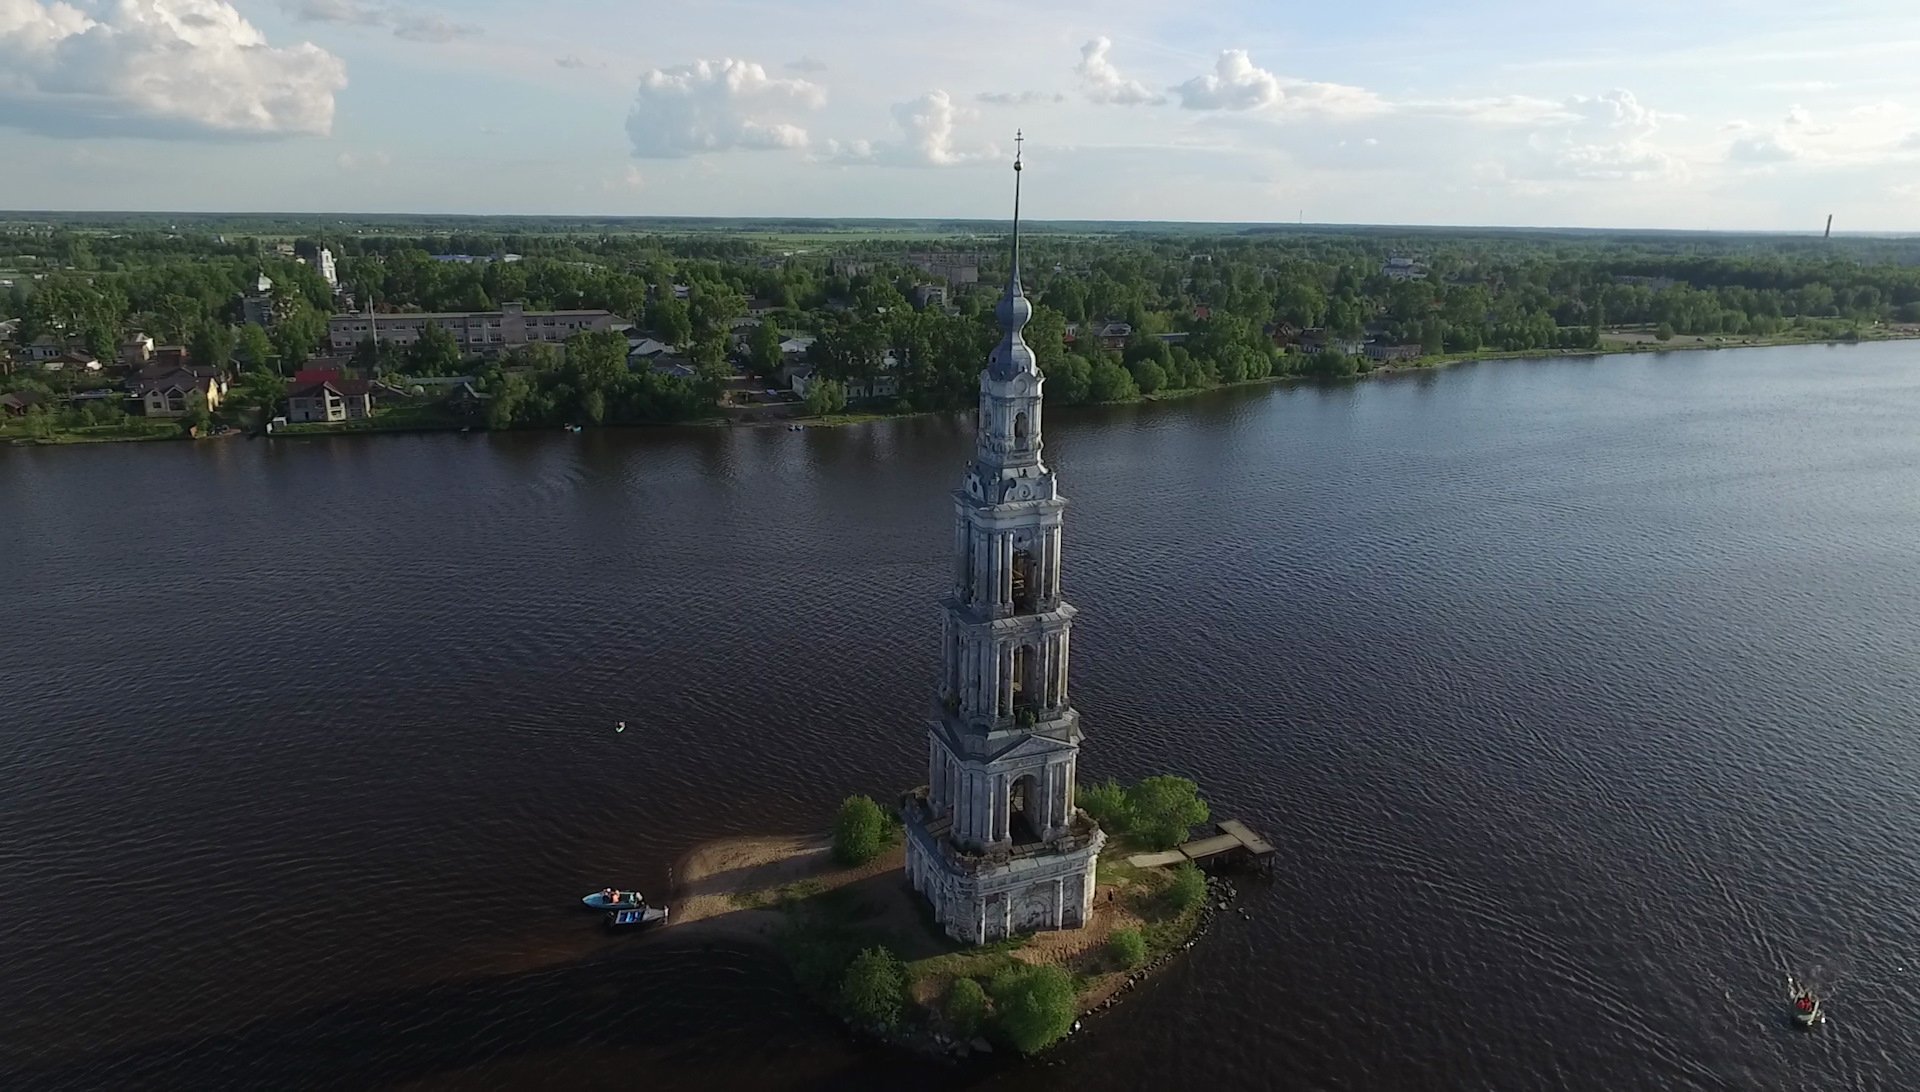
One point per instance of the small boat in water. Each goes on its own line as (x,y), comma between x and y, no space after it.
(613,899)
(1807,1010)
(636,917)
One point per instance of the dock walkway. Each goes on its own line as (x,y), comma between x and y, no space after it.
(1231,838)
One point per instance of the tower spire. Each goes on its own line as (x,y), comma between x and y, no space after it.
(1018,139)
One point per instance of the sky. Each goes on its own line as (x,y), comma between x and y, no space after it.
(1709,114)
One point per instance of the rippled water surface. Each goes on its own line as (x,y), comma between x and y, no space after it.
(1579,695)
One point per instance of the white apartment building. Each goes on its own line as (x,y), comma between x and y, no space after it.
(478,333)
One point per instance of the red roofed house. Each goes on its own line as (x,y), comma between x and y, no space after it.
(318,395)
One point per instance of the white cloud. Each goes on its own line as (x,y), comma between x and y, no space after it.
(927,127)
(359,161)
(1102,82)
(714,106)
(414,26)
(1866,135)
(627,180)
(158,68)
(1019,98)
(807,64)
(1235,83)
(571,61)
(431,28)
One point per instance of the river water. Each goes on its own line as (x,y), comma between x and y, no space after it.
(1578,694)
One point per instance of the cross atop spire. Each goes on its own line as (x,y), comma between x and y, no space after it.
(1018,139)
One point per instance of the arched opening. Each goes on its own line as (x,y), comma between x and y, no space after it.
(1022,660)
(1026,586)
(1020,429)
(1026,811)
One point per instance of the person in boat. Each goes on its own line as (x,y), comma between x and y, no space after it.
(1805,1004)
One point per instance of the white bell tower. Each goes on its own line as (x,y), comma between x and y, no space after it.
(995,841)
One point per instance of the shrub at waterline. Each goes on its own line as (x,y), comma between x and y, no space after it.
(1158,811)
(874,988)
(1127,948)
(1188,888)
(966,1006)
(1106,803)
(859,831)
(1033,1007)
(1164,809)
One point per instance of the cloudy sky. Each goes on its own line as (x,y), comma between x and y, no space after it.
(1630,113)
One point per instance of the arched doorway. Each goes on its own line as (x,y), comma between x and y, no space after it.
(1020,429)
(1026,811)
(1026,588)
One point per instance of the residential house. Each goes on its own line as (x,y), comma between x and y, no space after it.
(1383,353)
(44,348)
(1283,334)
(1403,269)
(18,403)
(76,361)
(679,367)
(760,308)
(171,395)
(1114,335)
(1316,340)
(929,295)
(642,350)
(256,307)
(330,400)
(797,346)
(135,351)
(466,401)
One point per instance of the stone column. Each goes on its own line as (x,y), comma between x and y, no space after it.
(1056,560)
(1006,916)
(1060,903)
(1006,574)
(936,786)
(961,556)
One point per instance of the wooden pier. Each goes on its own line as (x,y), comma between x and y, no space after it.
(1232,840)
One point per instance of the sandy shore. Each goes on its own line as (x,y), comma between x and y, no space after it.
(725,886)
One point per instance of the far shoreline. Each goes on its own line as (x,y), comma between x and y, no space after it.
(1688,343)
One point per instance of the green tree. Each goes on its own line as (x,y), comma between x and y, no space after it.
(255,347)
(1070,382)
(1106,803)
(1148,376)
(435,352)
(966,1007)
(825,396)
(859,831)
(667,318)
(1664,331)
(1033,1006)
(1164,809)
(874,988)
(763,350)
(1189,887)
(211,345)
(1127,948)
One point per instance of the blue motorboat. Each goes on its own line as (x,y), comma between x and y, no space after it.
(613,899)
(636,917)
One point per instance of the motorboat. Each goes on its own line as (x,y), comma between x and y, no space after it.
(613,899)
(1807,1010)
(636,917)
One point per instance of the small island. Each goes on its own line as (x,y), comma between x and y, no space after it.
(839,910)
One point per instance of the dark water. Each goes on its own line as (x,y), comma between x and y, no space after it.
(1580,696)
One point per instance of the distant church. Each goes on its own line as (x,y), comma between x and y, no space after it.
(994,842)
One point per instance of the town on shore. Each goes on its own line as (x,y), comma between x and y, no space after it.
(149,330)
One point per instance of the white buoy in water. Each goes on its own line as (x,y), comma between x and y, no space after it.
(619,726)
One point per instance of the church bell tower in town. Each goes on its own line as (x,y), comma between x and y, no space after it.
(995,842)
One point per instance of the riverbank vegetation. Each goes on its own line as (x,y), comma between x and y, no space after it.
(1120,314)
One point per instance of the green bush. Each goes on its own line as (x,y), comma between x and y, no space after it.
(1127,947)
(859,831)
(1664,331)
(966,1006)
(1107,804)
(1189,887)
(1164,809)
(1033,1007)
(874,988)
